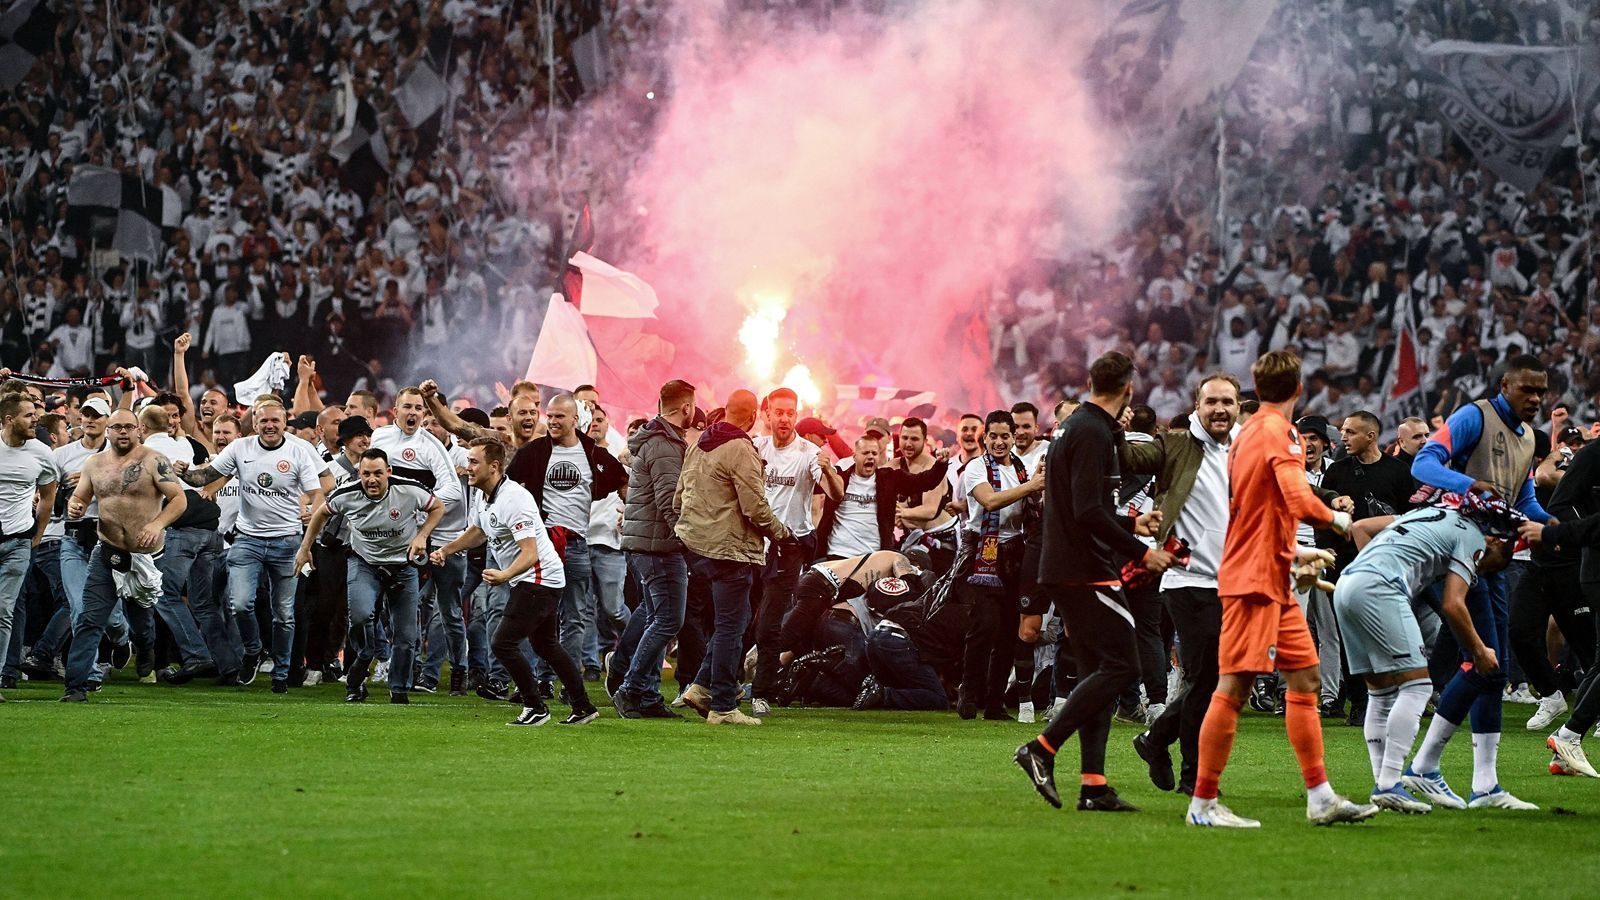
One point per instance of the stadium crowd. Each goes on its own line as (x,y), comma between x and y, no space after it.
(435,533)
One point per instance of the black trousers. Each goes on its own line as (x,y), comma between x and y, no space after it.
(1586,707)
(532,614)
(1107,664)
(1145,604)
(1197,618)
(1542,592)
(779,578)
(992,631)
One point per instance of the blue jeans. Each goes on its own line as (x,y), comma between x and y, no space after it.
(100,604)
(397,585)
(577,604)
(1470,693)
(47,559)
(248,558)
(610,568)
(15,556)
(447,630)
(907,681)
(663,595)
(185,569)
(730,604)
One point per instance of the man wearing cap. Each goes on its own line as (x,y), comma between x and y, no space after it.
(75,548)
(795,470)
(819,433)
(303,425)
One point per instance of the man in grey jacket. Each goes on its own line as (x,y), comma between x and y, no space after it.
(655,554)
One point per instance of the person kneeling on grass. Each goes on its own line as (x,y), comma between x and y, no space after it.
(503,514)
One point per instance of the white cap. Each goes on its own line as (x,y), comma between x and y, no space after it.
(98,405)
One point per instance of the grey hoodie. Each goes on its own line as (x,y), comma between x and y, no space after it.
(648,520)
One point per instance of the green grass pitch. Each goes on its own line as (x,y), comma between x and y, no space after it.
(157,791)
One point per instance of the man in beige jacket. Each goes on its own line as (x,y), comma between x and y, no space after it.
(722,518)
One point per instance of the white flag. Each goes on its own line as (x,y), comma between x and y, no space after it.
(609,291)
(564,355)
(1511,104)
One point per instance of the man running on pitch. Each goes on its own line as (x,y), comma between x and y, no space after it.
(131,481)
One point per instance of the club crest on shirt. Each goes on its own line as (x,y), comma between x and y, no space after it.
(409,455)
(394,514)
(264,479)
(283,466)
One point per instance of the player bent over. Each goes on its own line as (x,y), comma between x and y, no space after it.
(1382,640)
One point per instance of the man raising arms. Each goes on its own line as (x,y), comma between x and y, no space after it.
(1262,625)
(130,481)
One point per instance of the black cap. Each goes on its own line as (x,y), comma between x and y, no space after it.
(475,416)
(353,426)
(1316,425)
(306,419)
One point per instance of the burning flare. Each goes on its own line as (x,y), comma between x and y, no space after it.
(759,335)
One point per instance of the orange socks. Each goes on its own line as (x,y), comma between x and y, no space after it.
(1216,743)
(1304,725)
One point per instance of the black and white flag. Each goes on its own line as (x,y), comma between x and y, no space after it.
(1513,105)
(123,212)
(424,96)
(27,32)
(359,146)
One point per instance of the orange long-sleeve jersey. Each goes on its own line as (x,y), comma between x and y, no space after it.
(1269,496)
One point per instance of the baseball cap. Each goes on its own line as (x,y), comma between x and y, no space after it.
(306,419)
(1572,434)
(813,425)
(96,405)
(1316,425)
(353,426)
(878,425)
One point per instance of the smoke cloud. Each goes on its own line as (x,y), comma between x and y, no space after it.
(865,178)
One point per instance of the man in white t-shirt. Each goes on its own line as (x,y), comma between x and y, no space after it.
(275,470)
(27,471)
(506,516)
(1027,445)
(795,470)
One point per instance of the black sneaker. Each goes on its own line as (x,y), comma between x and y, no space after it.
(38,669)
(426,685)
(1103,799)
(997,715)
(8,682)
(145,661)
(458,683)
(1158,759)
(399,697)
(186,674)
(1333,710)
(249,667)
(1261,694)
(966,707)
(74,697)
(581,717)
(356,693)
(280,687)
(120,654)
(1040,769)
(547,690)
(495,690)
(591,675)
(1358,715)
(871,696)
(626,703)
(531,716)
(228,679)
(657,711)
(613,677)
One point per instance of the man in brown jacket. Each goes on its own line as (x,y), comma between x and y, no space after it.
(722,518)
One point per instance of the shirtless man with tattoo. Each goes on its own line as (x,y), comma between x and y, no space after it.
(131,483)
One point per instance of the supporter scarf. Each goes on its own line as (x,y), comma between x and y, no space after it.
(986,565)
(107,381)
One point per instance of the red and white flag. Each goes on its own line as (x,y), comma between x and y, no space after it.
(564,355)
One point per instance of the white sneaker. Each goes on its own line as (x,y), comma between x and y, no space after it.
(760,708)
(1339,810)
(1153,712)
(266,666)
(1025,713)
(1054,709)
(380,672)
(1521,694)
(1174,681)
(1431,787)
(1498,798)
(1549,708)
(531,717)
(1571,755)
(1211,814)
(313,678)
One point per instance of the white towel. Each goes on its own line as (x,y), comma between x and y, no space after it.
(141,584)
(269,379)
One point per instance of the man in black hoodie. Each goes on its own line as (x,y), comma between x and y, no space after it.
(565,471)
(1085,545)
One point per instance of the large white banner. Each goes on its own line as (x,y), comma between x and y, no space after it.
(1512,105)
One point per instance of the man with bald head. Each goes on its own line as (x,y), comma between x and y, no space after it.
(565,471)
(723,515)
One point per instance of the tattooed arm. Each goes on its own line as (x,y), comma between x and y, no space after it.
(195,477)
(167,483)
(451,422)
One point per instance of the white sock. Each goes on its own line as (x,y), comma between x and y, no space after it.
(1427,758)
(1485,753)
(1404,720)
(1567,734)
(1379,703)
(1321,795)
